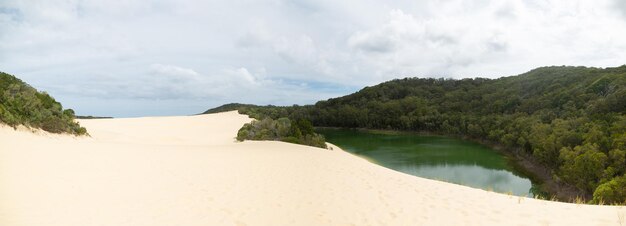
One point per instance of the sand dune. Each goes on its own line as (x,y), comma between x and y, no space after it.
(190,171)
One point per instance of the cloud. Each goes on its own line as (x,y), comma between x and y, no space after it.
(296,51)
(400,28)
(242,74)
(206,53)
(371,42)
(406,44)
(489,38)
(174,73)
(156,82)
(620,6)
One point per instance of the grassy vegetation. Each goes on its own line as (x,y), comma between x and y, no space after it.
(21,104)
(570,120)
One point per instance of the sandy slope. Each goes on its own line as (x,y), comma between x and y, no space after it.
(190,171)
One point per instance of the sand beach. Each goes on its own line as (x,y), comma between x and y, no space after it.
(189,170)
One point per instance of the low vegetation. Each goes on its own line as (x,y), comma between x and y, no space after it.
(283,129)
(21,104)
(92,117)
(569,120)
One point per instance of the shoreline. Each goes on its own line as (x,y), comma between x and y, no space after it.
(537,173)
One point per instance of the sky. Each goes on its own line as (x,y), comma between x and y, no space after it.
(180,57)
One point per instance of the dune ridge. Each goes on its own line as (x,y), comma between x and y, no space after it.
(189,170)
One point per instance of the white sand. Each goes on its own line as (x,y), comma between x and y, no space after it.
(190,171)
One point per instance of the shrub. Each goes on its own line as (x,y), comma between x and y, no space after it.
(20,104)
(282,129)
(611,192)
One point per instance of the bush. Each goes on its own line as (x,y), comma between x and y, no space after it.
(611,192)
(282,129)
(20,104)
(291,140)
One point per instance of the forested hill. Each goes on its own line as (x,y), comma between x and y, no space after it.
(21,104)
(569,119)
(549,93)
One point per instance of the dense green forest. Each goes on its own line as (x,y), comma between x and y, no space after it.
(21,104)
(570,120)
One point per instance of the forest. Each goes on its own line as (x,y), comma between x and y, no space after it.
(570,120)
(21,104)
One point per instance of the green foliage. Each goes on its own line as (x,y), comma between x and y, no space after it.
(20,104)
(570,119)
(611,192)
(282,129)
(583,166)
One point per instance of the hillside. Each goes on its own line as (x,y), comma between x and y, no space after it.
(570,120)
(21,104)
(227,107)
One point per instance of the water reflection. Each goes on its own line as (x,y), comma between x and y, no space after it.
(471,175)
(435,157)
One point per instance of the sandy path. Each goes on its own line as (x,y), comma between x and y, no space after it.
(189,171)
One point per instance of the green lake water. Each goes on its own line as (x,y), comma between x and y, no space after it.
(435,157)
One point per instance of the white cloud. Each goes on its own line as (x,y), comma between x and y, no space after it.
(491,38)
(242,74)
(177,74)
(205,53)
(620,6)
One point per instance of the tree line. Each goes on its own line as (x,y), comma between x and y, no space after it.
(569,119)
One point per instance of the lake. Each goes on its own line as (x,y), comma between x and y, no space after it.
(436,157)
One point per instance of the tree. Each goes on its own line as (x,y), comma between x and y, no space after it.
(618,160)
(570,119)
(612,192)
(583,166)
